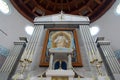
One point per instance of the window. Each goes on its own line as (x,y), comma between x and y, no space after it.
(29,30)
(118,9)
(4,8)
(94,30)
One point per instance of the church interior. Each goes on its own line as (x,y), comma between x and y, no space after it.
(59,40)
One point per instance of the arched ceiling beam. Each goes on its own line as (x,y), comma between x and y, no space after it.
(41,8)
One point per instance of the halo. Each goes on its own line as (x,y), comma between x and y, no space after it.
(64,33)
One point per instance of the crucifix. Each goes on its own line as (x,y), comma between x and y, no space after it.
(61,17)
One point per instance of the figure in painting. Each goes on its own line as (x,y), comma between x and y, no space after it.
(61,41)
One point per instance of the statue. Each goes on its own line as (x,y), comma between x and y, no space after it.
(61,41)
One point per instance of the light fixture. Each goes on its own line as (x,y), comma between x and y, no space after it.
(118,9)
(29,30)
(94,30)
(4,8)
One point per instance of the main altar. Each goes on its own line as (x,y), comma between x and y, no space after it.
(62,48)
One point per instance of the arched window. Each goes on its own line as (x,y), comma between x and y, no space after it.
(57,65)
(94,30)
(60,65)
(118,9)
(64,65)
(29,29)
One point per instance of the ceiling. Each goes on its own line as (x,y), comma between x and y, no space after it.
(94,9)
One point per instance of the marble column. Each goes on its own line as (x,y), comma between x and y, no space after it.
(89,44)
(37,47)
(109,56)
(51,61)
(11,62)
(69,61)
(108,59)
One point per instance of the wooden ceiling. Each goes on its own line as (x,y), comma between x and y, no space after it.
(91,8)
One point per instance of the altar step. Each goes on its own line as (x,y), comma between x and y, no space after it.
(102,78)
(35,78)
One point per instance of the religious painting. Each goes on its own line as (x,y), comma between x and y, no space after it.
(61,39)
